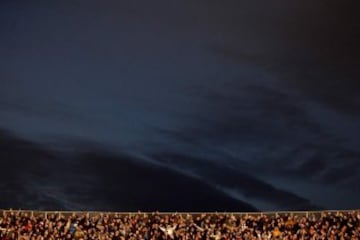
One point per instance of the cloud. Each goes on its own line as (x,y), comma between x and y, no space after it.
(270,87)
(271,134)
(224,177)
(94,179)
(309,46)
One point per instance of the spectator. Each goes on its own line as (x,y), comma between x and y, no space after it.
(156,226)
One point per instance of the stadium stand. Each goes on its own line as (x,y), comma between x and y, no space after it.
(33,225)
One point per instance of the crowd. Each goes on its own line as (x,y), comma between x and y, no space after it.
(155,226)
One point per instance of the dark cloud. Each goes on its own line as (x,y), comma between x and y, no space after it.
(268,134)
(265,91)
(310,46)
(33,177)
(218,173)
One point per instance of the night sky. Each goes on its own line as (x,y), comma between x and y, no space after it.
(179,105)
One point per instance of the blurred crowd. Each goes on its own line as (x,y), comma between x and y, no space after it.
(158,226)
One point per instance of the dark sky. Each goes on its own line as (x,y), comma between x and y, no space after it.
(237,105)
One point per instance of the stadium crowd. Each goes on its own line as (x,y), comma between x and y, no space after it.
(155,226)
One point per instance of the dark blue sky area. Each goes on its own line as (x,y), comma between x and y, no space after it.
(256,100)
